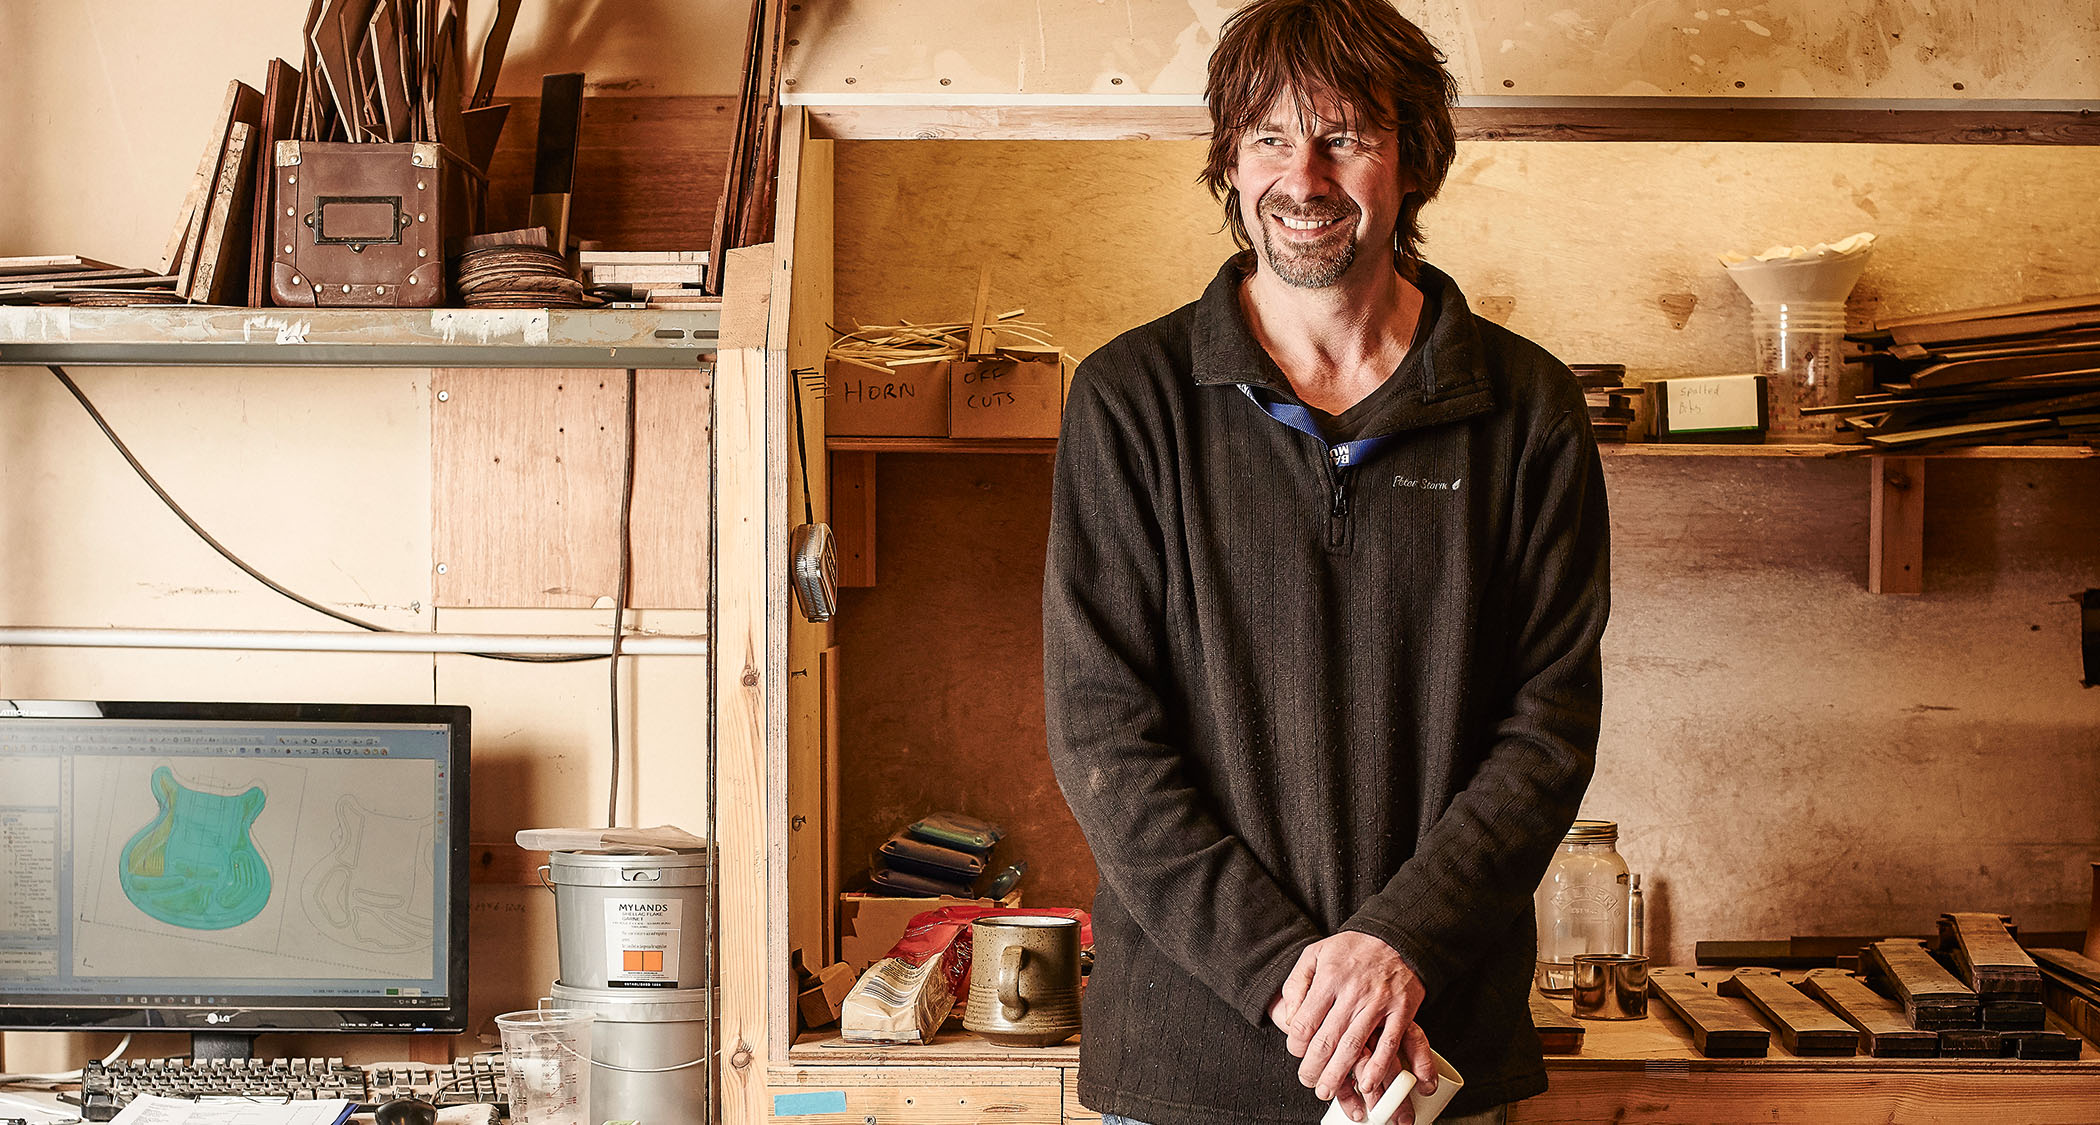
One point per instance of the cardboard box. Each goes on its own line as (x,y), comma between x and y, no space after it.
(869,924)
(907,401)
(1017,395)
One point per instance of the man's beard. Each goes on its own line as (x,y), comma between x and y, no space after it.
(1314,266)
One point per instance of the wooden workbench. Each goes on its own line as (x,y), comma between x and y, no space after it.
(1630,1071)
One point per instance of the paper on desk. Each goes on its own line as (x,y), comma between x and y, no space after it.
(148,1109)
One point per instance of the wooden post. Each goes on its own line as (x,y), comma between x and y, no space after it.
(1896,526)
(853,516)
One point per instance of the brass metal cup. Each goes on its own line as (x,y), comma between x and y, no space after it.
(1610,986)
(1024,980)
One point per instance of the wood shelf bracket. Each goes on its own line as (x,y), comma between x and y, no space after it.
(1896,526)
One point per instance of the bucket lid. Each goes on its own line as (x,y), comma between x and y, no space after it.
(613,869)
(630,1005)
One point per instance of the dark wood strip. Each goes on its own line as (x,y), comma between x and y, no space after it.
(1761,123)
(1883,1030)
(2049,1044)
(1720,1030)
(1559,1032)
(1931,997)
(2026,1013)
(2065,964)
(1970,1043)
(1805,1027)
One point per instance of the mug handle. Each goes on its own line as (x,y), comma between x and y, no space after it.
(1010,961)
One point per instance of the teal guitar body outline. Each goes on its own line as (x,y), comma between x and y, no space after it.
(195,865)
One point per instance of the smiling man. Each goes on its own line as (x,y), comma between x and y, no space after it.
(1326,581)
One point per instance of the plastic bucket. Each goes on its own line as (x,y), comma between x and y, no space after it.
(630,921)
(648,1047)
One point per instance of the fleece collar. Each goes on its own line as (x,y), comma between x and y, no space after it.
(1449,374)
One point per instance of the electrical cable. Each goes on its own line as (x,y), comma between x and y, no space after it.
(626,552)
(225,553)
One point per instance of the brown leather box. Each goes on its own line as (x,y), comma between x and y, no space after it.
(366,225)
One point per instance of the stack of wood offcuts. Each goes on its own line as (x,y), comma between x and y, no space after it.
(69,279)
(2024,374)
(1974,993)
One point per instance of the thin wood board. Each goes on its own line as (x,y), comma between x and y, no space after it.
(526,470)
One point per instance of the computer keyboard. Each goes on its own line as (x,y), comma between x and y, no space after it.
(106,1088)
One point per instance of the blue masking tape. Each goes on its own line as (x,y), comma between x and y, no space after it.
(816,1101)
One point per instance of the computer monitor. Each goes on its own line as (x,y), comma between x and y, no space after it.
(228,869)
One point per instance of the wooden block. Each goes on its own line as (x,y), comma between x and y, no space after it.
(1884,1032)
(223,247)
(1720,1030)
(1896,535)
(243,106)
(2024,1014)
(1559,1033)
(2046,1044)
(1989,960)
(1931,997)
(821,1001)
(1805,1027)
(1970,1043)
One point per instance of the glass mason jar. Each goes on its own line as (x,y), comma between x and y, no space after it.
(1581,903)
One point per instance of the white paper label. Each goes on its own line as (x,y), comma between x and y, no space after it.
(641,942)
(1726,402)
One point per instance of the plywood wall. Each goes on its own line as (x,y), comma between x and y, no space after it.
(1963,49)
(1787,753)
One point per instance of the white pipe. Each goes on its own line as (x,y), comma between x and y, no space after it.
(263,640)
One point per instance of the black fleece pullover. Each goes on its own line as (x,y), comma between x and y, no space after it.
(1286,699)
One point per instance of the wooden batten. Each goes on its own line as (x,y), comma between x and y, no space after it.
(748,604)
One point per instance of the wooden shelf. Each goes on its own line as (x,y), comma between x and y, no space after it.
(846,444)
(1833,451)
(843,444)
(841,115)
(1896,492)
(949,1048)
(211,336)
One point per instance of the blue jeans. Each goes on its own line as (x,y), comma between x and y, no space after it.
(1495,1116)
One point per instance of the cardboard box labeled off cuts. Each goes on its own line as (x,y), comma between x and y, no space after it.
(1016,395)
(909,400)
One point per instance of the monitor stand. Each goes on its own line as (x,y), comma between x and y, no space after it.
(222,1045)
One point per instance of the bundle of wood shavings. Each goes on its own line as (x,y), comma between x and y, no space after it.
(882,347)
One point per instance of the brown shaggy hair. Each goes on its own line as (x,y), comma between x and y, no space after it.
(1383,70)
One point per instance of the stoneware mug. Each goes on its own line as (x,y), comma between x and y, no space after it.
(1024,980)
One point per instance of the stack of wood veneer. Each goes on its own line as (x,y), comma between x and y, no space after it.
(2004,375)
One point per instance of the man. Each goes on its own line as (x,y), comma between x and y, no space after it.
(1326,580)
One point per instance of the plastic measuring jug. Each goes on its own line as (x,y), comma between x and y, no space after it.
(548,1054)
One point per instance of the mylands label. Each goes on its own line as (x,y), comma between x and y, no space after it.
(641,943)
